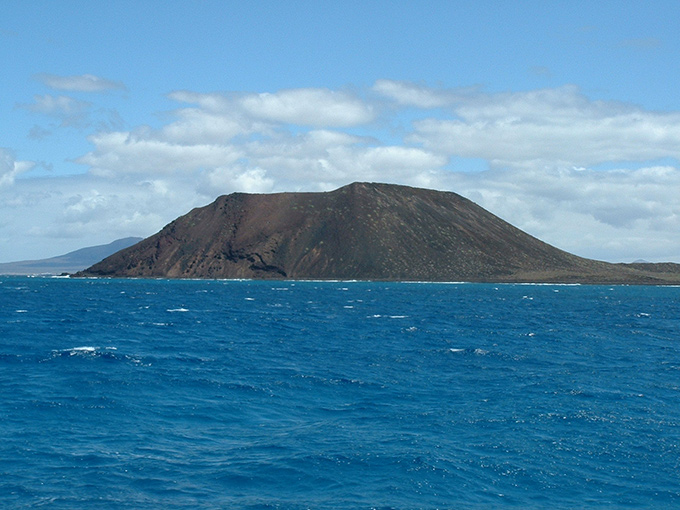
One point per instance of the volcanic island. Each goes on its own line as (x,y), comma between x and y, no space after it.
(362,231)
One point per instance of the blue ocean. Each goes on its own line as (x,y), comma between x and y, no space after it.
(162,394)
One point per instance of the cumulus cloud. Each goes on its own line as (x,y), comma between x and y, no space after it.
(550,127)
(80,83)
(597,214)
(310,107)
(247,180)
(9,168)
(260,141)
(543,151)
(48,216)
(123,152)
(412,94)
(304,107)
(71,112)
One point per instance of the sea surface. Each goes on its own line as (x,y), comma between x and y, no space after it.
(158,394)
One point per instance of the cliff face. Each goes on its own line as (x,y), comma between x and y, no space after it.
(362,231)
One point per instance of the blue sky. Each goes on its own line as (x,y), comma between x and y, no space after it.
(561,117)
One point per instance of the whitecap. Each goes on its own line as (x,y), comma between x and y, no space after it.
(81,349)
(177,310)
(86,350)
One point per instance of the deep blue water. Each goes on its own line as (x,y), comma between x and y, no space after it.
(146,394)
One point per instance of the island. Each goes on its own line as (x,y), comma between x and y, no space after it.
(362,231)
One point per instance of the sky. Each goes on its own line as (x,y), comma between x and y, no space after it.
(561,117)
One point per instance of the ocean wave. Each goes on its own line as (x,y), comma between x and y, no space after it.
(108,353)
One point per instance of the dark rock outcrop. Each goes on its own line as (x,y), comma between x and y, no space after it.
(362,231)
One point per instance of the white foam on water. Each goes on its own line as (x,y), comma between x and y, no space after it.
(85,350)
(81,349)
(456,350)
(250,299)
(177,310)
(21,311)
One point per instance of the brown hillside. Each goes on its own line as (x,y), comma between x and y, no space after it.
(362,231)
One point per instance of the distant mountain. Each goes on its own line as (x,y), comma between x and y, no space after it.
(68,263)
(363,231)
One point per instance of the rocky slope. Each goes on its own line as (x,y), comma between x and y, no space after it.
(362,231)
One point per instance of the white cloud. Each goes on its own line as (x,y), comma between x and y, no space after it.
(411,94)
(540,147)
(309,107)
(303,107)
(80,83)
(247,180)
(209,102)
(72,112)
(9,168)
(597,214)
(48,216)
(550,128)
(197,126)
(247,140)
(139,153)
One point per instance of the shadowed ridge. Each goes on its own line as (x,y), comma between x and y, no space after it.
(366,231)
